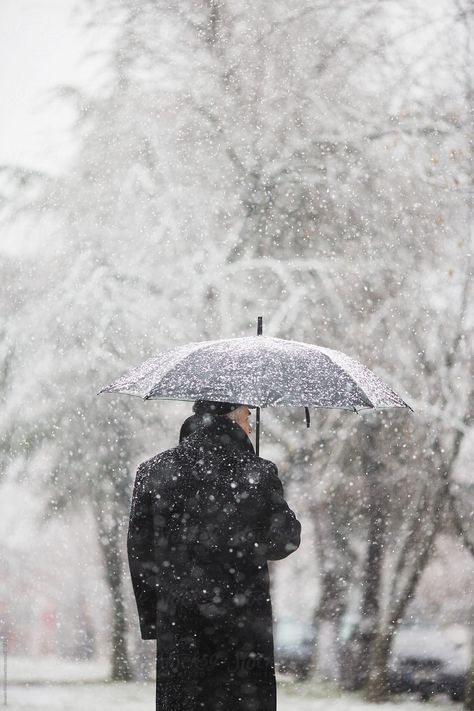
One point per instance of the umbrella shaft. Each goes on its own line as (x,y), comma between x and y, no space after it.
(257,432)
(257,418)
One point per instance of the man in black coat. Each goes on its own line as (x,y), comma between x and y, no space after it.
(205,518)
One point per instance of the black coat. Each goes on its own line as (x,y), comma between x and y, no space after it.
(205,518)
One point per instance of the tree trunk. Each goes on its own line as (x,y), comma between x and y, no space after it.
(326,619)
(377,685)
(334,564)
(365,635)
(109,540)
(469,681)
(420,542)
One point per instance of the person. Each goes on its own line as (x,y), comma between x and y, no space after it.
(205,518)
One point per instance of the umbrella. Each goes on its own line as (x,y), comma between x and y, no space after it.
(259,371)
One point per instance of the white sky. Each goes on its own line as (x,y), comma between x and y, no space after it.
(42,43)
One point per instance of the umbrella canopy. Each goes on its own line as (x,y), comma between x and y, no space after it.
(259,371)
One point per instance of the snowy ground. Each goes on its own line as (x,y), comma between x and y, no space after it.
(140,697)
(80,687)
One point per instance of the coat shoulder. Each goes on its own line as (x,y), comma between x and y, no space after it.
(267,466)
(264,466)
(162,466)
(257,470)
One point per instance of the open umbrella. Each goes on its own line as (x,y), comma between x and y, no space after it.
(261,372)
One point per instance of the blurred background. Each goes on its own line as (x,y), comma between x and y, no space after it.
(168,172)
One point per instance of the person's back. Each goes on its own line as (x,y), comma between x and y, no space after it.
(206,516)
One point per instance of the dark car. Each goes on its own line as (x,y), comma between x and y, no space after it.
(429,660)
(294,646)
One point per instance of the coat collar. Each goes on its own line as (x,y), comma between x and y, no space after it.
(218,429)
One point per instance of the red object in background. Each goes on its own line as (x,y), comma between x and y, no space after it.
(48,630)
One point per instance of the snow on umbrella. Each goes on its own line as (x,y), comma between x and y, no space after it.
(261,372)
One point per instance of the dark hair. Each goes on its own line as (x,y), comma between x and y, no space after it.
(213,407)
(190,425)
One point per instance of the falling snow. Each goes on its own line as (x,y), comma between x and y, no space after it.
(204,163)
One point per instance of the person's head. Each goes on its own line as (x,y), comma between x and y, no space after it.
(234,411)
(241,416)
